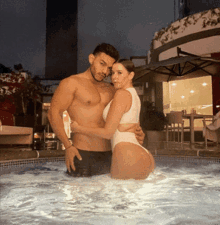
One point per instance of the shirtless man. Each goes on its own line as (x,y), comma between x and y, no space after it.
(85,96)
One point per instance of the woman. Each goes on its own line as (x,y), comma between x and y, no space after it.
(129,158)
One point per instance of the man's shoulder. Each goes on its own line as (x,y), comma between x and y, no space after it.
(75,78)
(68,84)
(108,86)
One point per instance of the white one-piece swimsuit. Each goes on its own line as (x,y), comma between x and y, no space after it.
(132,116)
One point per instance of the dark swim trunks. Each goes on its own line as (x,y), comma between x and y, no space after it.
(92,163)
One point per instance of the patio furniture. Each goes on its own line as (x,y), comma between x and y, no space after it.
(45,139)
(192,117)
(211,131)
(175,125)
(39,137)
(16,135)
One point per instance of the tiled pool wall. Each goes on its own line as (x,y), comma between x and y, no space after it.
(15,165)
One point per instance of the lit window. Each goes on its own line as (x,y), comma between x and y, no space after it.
(191,93)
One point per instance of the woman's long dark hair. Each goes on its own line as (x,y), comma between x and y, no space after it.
(128,64)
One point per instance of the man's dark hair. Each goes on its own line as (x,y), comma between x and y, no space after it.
(108,50)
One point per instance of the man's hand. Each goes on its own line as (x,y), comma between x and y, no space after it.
(70,153)
(74,126)
(134,128)
(140,135)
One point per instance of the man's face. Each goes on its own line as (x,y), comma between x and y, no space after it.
(100,65)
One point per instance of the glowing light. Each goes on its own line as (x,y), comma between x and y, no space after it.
(204,84)
(182,96)
(206,106)
(173,84)
(192,91)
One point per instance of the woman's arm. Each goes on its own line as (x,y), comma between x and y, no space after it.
(120,104)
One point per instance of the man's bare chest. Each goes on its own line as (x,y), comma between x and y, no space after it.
(90,95)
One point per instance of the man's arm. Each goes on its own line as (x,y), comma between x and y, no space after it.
(120,103)
(140,135)
(61,101)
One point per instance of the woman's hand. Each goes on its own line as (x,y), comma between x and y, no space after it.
(74,127)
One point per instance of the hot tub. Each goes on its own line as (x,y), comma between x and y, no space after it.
(182,190)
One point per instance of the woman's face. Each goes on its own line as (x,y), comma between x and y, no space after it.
(121,78)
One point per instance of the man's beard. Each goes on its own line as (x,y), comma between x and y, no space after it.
(94,76)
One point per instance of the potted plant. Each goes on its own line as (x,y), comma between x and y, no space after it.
(153,124)
(153,119)
(18,90)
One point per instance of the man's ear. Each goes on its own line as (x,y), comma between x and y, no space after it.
(91,58)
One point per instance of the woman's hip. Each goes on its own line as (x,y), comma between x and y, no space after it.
(124,137)
(131,149)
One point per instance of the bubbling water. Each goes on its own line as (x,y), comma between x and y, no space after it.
(176,193)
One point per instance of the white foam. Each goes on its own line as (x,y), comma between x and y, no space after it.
(172,194)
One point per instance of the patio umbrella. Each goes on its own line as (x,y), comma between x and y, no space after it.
(177,68)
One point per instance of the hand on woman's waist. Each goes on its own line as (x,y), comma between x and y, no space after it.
(128,127)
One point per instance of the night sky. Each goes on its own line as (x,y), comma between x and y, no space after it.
(128,25)
(23,34)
